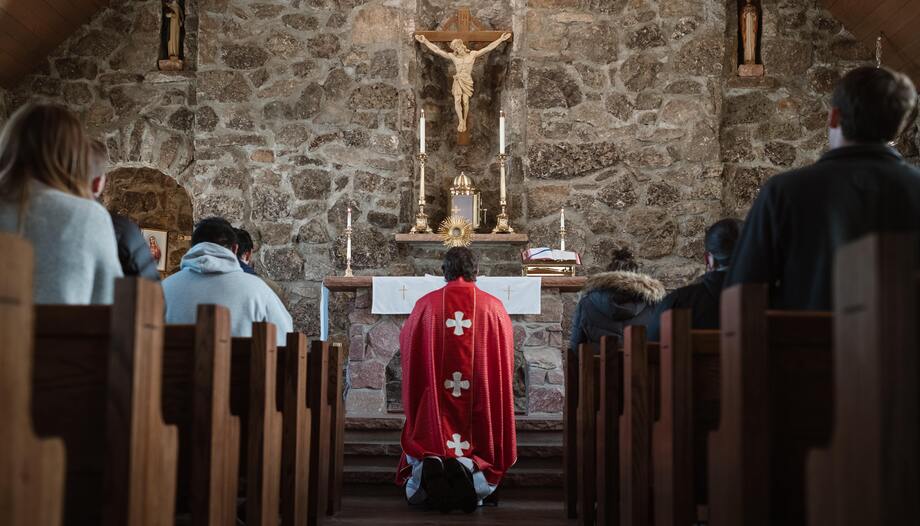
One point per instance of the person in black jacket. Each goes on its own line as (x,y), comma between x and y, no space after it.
(613,300)
(244,250)
(133,250)
(860,186)
(703,296)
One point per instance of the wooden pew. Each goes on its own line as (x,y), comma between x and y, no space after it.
(296,438)
(607,442)
(196,398)
(97,384)
(320,422)
(586,439)
(336,427)
(635,431)
(254,398)
(31,469)
(869,475)
(776,402)
(687,411)
(570,435)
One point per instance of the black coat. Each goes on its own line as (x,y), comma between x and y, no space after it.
(802,217)
(701,297)
(133,249)
(611,302)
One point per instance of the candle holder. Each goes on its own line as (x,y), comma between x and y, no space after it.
(562,239)
(421,219)
(501,225)
(348,272)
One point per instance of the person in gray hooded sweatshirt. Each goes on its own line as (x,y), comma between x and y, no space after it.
(211,274)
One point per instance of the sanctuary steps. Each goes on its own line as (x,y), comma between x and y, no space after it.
(372,451)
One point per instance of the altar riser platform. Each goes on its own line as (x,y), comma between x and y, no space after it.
(372,452)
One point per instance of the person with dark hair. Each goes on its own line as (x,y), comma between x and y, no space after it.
(244,250)
(861,185)
(457,351)
(134,252)
(703,297)
(211,274)
(613,300)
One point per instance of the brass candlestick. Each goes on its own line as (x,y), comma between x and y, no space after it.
(501,225)
(348,272)
(421,219)
(562,238)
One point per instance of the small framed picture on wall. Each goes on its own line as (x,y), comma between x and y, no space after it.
(156,242)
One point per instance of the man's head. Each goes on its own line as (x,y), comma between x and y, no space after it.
(215,230)
(870,106)
(459,47)
(244,245)
(623,261)
(460,262)
(720,242)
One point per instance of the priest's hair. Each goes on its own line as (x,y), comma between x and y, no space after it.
(460,262)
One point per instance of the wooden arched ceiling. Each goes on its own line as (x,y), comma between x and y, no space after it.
(31,29)
(898,20)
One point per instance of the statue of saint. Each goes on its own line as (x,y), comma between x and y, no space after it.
(463,60)
(174,14)
(749,19)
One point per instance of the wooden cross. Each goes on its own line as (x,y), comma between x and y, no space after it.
(404,290)
(474,35)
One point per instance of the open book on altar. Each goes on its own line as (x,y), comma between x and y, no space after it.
(397,295)
(544,254)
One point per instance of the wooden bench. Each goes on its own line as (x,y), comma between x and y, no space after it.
(31,469)
(869,475)
(196,398)
(97,384)
(776,401)
(687,411)
(336,427)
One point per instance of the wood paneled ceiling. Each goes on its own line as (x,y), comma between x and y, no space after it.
(899,20)
(31,29)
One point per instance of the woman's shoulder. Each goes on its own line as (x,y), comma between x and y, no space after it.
(49,200)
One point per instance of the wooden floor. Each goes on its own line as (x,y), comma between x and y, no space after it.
(386,505)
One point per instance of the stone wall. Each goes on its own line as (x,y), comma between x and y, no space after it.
(627,112)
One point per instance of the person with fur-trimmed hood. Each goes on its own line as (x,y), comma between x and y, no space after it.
(613,300)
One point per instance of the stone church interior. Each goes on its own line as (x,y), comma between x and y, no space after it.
(544,262)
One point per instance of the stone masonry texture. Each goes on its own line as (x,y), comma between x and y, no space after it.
(627,112)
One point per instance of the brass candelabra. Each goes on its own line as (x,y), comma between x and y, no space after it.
(501,225)
(421,219)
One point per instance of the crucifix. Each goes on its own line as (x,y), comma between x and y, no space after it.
(404,290)
(508,290)
(460,31)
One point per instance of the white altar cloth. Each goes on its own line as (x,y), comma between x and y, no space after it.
(397,295)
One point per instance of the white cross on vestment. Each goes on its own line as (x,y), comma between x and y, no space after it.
(457,384)
(458,323)
(457,446)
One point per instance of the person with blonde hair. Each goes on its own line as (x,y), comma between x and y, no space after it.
(46,197)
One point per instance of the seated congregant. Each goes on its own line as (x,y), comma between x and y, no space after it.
(46,197)
(210,274)
(244,250)
(457,351)
(133,251)
(861,185)
(703,296)
(613,300)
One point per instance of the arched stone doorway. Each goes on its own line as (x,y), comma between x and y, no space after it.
(154,201)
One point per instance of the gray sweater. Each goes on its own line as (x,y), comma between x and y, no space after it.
(76,260)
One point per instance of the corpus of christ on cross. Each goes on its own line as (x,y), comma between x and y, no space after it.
(469,39)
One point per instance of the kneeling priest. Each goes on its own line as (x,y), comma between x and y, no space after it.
(457,351)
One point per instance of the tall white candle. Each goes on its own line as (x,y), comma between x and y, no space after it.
(348,225)
(348,238)
(501,131)
(562,219)
(421,133)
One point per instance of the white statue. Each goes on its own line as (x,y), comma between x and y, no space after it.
(749,19)
(174,14)
(463,60)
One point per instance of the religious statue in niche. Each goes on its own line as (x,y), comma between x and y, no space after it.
(173,12)
(749,26)
(463,60)
(462,33)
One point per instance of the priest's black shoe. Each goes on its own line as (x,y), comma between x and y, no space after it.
(461,483)
(434,482)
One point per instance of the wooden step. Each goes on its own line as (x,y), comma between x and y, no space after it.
(517,477)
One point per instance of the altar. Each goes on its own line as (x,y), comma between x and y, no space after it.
(374,360)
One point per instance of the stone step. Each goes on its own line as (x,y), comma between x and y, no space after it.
(545,463)
(392,448)
(517,476)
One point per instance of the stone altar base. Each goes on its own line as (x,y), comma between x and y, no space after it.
(540,340)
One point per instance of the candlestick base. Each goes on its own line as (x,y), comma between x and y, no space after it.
(348,272)
(502,226)
(421,222)
(562,239)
